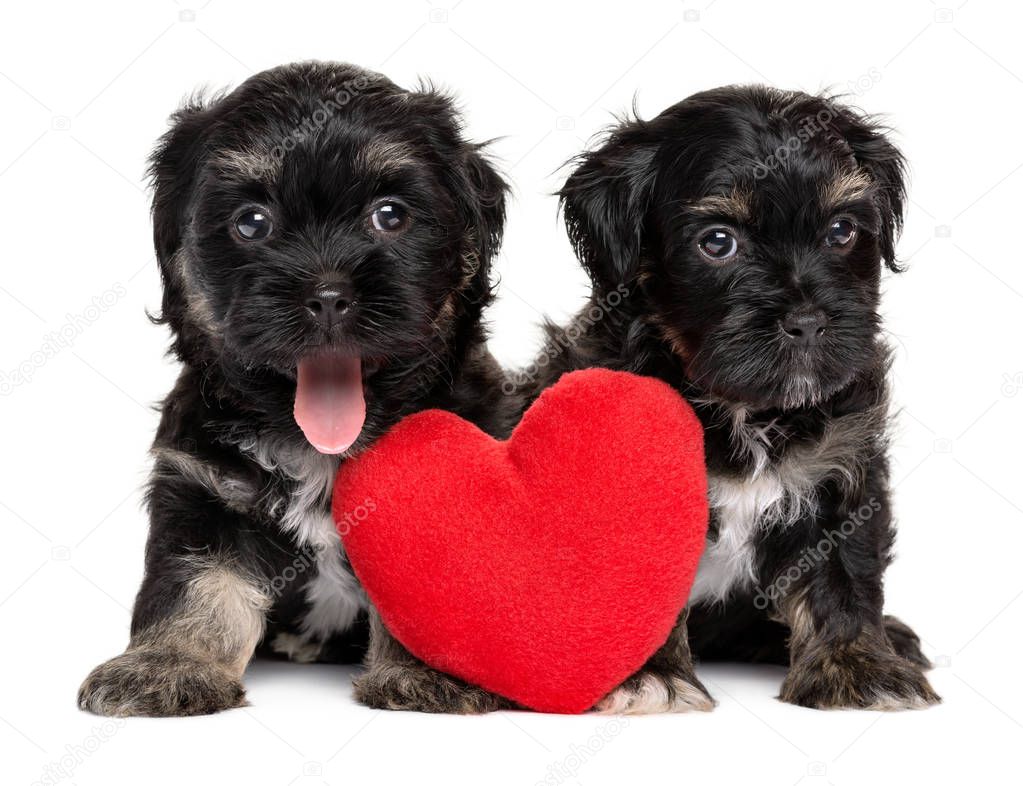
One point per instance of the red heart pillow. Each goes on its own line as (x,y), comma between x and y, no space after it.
(546,568)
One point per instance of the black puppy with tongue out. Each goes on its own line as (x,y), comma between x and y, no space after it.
(324,239)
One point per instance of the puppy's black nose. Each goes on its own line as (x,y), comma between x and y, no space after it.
(805,327)
(328,302)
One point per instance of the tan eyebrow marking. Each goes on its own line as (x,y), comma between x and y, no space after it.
(735,205)
(385,155)
(845,188)
(255,164)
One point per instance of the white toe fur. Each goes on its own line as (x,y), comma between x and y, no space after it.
(651,695)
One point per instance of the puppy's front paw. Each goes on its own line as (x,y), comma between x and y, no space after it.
(158,683)
(650,692)
(905,642)
(422,689)
(856,678)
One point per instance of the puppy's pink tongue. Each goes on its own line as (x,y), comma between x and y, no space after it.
(329,404)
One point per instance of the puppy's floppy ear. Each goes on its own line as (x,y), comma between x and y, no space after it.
(173,168)
(606,200)
(484,207)
(478,188)
(887,168)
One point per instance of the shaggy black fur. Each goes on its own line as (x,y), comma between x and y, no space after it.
(242,550)
(748,227)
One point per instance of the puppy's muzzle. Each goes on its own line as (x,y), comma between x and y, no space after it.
(328,302)
(805,327)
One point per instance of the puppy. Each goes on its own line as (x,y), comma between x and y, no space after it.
(324,239)
(735,244)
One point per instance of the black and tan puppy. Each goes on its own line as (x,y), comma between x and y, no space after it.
(325,240)
(745,230)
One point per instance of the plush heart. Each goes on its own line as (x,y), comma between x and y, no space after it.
(546,568)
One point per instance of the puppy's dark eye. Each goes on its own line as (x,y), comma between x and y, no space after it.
(841,232)
(718,244)
(253,225)
(389,217)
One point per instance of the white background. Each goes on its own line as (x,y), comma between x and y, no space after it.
(85,89)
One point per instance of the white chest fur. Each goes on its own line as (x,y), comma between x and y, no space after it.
(775,494)
(333,593)
(740,509)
